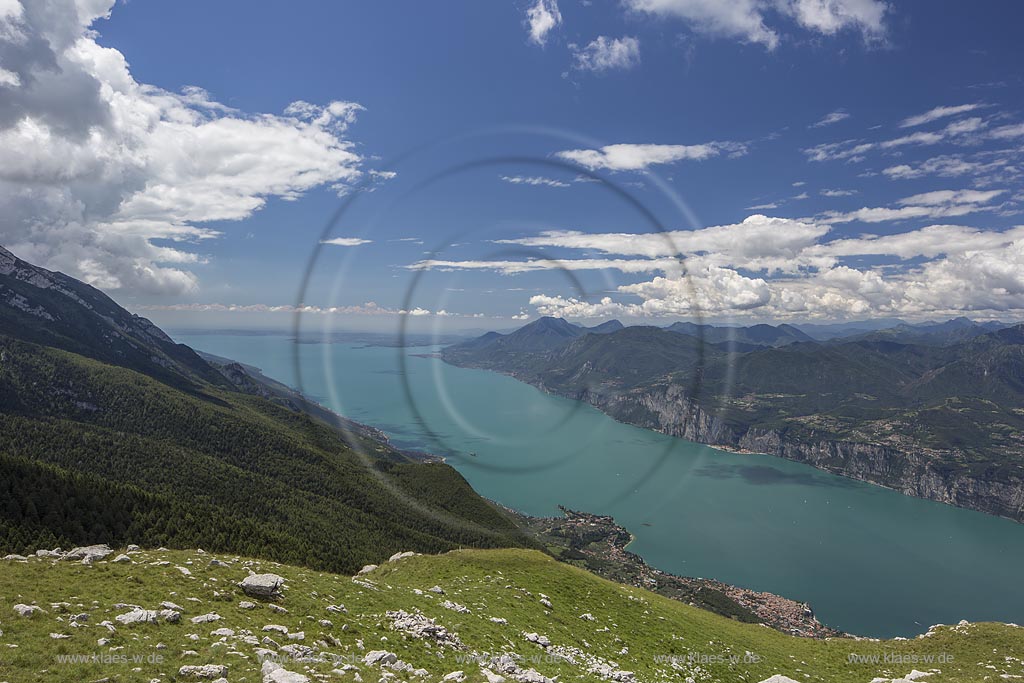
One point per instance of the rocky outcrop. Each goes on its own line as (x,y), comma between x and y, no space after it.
(88,554)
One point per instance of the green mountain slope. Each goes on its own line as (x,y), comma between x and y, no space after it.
(55,310)
(111,432)
(485,613)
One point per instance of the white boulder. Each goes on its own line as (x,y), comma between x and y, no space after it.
(206,618)
(138,616)
(88,553)
(275,673)
(26,610)
(401,556)
(262,585)
(203,671)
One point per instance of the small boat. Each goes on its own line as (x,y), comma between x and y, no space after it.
(473,454)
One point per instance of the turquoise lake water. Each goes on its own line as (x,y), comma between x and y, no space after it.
(870,561)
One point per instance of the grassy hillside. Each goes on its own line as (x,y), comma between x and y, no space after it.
(626,629)
(98,453)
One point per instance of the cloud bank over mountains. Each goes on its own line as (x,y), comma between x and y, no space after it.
(779,268)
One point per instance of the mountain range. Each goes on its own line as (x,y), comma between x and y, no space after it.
(935,411)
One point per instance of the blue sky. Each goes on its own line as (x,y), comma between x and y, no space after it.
(807,159)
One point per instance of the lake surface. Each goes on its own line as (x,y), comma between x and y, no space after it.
(870,561)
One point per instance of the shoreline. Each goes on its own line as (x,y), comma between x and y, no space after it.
(738,450)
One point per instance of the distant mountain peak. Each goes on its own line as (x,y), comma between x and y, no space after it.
(606,327)
(552,322)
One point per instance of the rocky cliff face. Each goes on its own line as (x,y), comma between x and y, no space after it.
(666,408)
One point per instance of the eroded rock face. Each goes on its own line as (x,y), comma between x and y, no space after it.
(262,585)
(667,409)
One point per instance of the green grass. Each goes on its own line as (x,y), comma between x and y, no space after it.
(636,629)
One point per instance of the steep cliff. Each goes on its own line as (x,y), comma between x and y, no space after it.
(996,489)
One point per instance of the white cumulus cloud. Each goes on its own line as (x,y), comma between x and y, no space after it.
(637,157)
(541,18)
(604,54)
(95,165)
(774,269)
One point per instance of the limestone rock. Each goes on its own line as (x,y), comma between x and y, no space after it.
(206,618)
(170,616)
(275,673)
(401,556)
(26,610)
(455,607)
(88,553)
(492,677)
(203,671)
(538,639)
(380,657)
(262,585)
(138,616)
